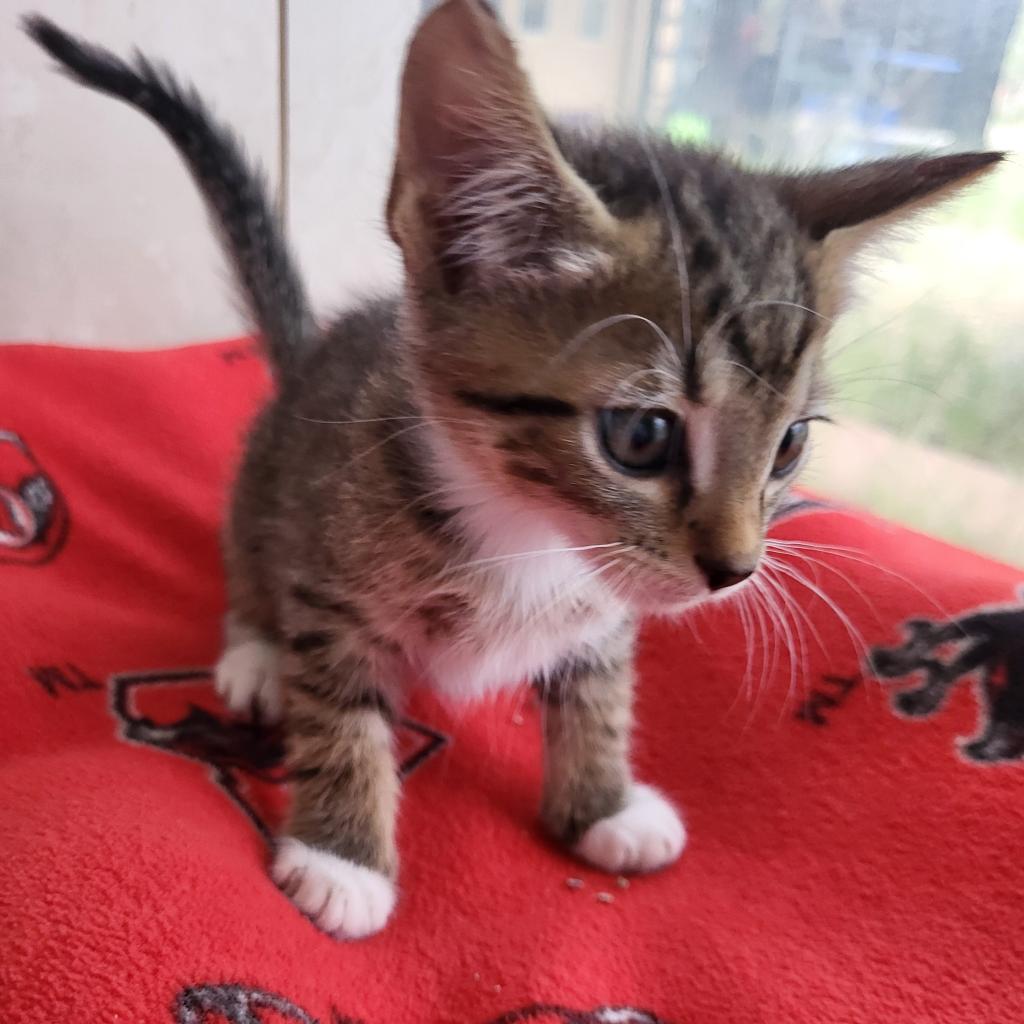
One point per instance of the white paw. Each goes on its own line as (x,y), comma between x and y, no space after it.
(346,900)
(645,835)
(246,677)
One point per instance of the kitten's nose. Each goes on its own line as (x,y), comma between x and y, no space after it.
(722,574)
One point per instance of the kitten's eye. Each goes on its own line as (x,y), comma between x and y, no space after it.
(638,441)
(790,449)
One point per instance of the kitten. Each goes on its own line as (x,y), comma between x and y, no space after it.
(583,408)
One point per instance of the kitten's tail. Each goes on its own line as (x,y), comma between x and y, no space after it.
(235,191)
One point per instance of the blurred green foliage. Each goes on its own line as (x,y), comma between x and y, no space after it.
(940,364)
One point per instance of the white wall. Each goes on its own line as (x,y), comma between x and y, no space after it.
(103,239)
(344,62)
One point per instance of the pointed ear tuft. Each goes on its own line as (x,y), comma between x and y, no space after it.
(481,194)
(841,211)
(885,190)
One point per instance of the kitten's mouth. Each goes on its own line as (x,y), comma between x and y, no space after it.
(656,593)
(676,599)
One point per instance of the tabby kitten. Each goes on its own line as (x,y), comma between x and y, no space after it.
(583,408)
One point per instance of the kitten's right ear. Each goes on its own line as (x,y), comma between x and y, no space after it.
(481,196)
(870,196)
(842,210)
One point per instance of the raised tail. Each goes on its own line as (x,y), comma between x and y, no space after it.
(234,190)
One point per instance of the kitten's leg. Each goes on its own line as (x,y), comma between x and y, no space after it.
(590,799)
(338,860)
(246,676)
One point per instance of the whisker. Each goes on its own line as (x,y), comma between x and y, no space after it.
(766,641)
(517,555)
(754,303)
(743,614)
(645,400)
(753,373)
(853,634)
(800,621)
(577,582)
(359,456)
(798,608)
(383,419)
(810,560)
(450,489)
(858,556)
(745,620)
(885,323)
(791,643)
(902,381)
(592,330)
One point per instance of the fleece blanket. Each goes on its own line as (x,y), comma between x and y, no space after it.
(852,773)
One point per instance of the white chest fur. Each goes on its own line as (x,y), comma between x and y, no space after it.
(529,614)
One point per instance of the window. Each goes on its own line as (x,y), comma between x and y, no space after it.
(594,14)
(534,15)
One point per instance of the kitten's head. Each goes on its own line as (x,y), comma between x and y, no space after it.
(621,336)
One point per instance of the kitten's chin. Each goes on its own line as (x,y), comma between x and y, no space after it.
(656,596)
(672,608)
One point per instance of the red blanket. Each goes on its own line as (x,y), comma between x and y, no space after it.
(853,780)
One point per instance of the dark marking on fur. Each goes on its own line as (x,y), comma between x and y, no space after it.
(313,688)
(532,474)
(313,599)
(683,498)
(515,445)
(516,405)
(383,643)
(692,383)
(705,258)
(342,698)
(556,687)
(321,602)
(716,300)
(430,518)
(718,195)
(299,723)
(740,343)
(311,641)
(443,614)
(368,700)
(405,464)
(591,805)
(350,612)
(803,338)
(342,777)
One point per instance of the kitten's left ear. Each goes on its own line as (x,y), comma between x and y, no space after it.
(842,210)
(481,195)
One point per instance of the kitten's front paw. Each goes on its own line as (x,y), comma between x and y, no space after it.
(645,835)
(344,899)
(246,678)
